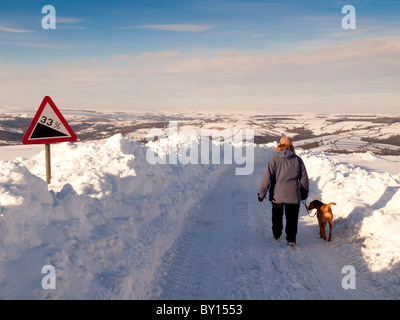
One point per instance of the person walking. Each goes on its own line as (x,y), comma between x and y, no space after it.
(286,180)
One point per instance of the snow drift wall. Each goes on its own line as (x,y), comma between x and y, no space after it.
(107,207)
(366,217)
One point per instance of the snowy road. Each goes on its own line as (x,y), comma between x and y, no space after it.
(226,251)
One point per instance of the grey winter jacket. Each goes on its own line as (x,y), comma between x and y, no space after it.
(283,176)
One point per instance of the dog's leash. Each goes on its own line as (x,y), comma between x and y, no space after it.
(305,205)
(308,212)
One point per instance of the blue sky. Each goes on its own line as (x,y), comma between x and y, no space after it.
(105,42)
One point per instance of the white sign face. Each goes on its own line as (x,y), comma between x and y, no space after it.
(49,125)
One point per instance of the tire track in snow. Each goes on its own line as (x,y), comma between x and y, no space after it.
(188,266)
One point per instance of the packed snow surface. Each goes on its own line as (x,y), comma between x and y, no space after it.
(114,226)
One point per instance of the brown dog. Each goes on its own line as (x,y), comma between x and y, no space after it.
(324,215)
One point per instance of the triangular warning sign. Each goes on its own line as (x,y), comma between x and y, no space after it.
(48,126)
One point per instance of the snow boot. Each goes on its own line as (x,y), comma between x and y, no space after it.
(291,243)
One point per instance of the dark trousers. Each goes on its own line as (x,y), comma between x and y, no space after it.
(292,217)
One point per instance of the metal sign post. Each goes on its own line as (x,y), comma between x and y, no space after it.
(48,163)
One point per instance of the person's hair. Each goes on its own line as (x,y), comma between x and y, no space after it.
(284,146)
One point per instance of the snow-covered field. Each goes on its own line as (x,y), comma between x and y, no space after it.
(377,133)
(114,226)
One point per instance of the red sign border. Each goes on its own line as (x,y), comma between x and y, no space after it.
(35,120)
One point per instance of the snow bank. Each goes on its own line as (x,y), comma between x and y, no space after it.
(104,225)
(367,214)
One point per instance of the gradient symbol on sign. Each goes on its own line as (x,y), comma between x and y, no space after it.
(48,126)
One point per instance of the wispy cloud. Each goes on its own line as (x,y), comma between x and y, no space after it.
(73,27)
(69,23)
(173,27)
(69,20)
(12,30)
(39,45)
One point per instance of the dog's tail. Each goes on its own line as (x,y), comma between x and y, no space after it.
(329,204)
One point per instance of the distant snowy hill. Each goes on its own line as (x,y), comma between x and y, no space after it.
(115,226)
(336,133)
